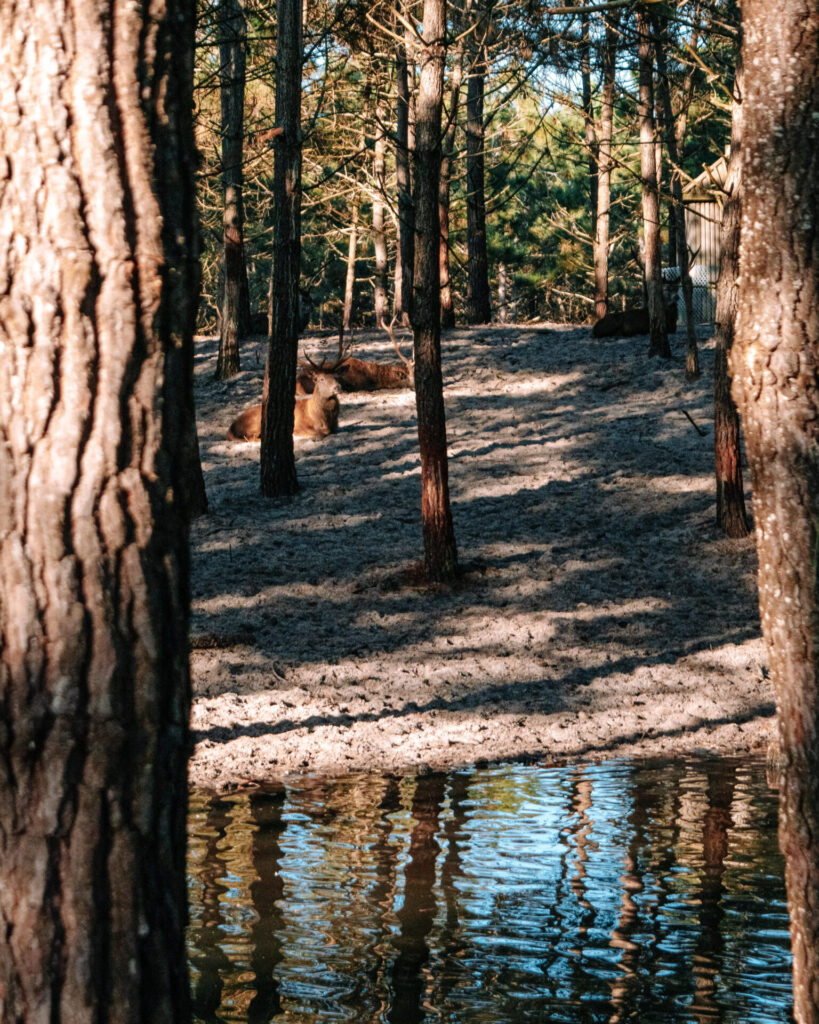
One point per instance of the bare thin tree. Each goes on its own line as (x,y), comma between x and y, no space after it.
(659,345)
(277,462)
(731,515)
(478,303)
(235,312)
(403,157)
(447,160)
(352,251)
(604,168)
(440,553)
(692,359)
(379,236)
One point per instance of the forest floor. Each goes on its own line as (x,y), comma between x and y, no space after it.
(600,612)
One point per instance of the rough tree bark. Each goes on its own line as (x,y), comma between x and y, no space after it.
(731,515)
(692,359)
(440,554)
(658,345)
(775,366)
(98,286)
(277,463)
(406,213)
(235,304)
(604,165)
(478,301)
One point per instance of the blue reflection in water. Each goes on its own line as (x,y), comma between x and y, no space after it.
(615,892)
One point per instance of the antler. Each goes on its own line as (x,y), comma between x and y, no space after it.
(409,363)
(343,352)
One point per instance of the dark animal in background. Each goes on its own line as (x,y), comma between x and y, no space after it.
(315,416)
(258,321)
(635,321)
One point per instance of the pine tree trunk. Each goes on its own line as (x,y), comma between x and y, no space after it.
(349,284)
(232,56)
(447,157)
(592,146)
(659,345)
(601,237)
(379,238)
(503,294)
(406,213)
(277,458)
(775,365)
(731,515)
(478,303)
(440,555)
(98,263)
(692,359)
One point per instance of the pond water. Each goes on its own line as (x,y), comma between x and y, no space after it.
(614,892)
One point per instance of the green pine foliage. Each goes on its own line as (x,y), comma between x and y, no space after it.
(540,228)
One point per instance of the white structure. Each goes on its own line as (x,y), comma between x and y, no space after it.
(703,198)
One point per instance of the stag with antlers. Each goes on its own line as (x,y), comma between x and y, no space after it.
(360,374)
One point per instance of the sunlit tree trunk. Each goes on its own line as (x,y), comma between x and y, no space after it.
(592,145)
(406,213)
(602,219)
(731,515)
(447,157)
(235,306)
(379,238)
(692,360)
(440,555)
(99,272)
(650,198)
(775,366)
(277,460)
(503,294)
(349,284)
(478,303)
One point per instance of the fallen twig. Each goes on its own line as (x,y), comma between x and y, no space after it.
(699,430)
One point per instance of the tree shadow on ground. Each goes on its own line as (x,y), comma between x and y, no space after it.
(584,516)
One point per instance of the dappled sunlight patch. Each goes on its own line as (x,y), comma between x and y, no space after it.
(519,386)
(623,609)
(676,484)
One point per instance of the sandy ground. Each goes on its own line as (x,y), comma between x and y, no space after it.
(600,612)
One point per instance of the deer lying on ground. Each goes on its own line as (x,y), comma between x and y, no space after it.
(315,416)
(635,321)
(364,375)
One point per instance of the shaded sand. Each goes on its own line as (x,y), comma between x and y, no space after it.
(600,613)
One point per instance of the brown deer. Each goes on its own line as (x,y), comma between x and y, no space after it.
(364,375)
(315,416)
(635,321)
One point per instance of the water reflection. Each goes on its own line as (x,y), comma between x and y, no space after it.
(613,892)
